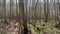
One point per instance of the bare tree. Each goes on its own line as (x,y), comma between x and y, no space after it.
(59,11)
(5,17)
(45,12)
(11,9)
(46,9)
(4,2)
(40,10)
(56,10)
(21,8)
(58,25)
(17,11)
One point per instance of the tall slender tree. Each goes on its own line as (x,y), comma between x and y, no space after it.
(4,2)
(11,9)
(40,10)
(21,8)
(55,6)
(48,11)
(45,10)
(58,25)
(59,11)
(34,5)
(5,17)
(17,18)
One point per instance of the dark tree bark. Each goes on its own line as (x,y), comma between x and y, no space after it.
(5,17)
(33,12)
(40,12)
(34,5)
(59,11)
(48,11)
(58,25)
(11,9)
(55,6)
(21,8)
(4,6)
(45,10)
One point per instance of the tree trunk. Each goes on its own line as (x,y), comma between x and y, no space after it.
(4,6)
(45,10)
(21,8)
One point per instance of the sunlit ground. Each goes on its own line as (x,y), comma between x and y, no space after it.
(40,27)
(45,28)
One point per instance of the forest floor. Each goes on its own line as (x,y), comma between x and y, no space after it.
(42,28)
(45,28)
